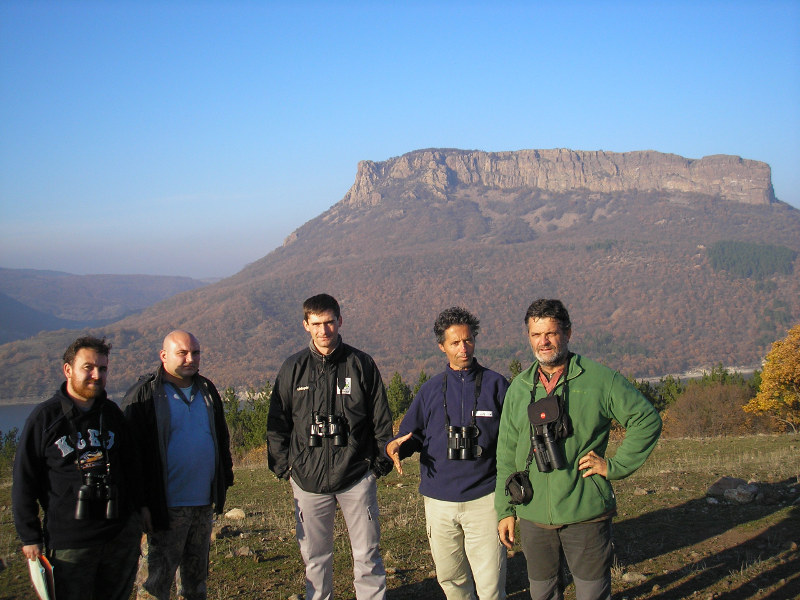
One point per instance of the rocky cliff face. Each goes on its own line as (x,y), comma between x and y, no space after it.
(440,172)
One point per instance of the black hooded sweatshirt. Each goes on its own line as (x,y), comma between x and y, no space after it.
(58,447)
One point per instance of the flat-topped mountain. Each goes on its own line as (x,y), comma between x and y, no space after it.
(665,263)
(441,172)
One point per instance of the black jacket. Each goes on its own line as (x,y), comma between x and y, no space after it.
(55,438)
(306,384)
(146,408)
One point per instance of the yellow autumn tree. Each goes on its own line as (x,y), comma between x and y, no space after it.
(779,396)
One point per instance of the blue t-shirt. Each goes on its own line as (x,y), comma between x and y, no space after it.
(190,453)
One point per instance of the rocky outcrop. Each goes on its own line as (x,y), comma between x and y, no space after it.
(440,172)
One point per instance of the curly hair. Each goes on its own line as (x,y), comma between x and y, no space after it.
(455,316)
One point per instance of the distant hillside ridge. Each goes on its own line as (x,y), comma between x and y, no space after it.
(646,252)
(560,170)
(37,300)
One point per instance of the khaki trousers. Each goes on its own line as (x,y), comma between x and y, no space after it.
(470,560)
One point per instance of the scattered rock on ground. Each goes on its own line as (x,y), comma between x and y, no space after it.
(724,483)
(744,494)
(235,513)
(632,577)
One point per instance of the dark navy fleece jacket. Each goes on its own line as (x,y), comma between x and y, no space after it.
(455,480)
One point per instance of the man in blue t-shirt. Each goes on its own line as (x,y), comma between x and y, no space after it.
(179,420)
(453,423)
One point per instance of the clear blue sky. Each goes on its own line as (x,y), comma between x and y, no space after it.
(190,138)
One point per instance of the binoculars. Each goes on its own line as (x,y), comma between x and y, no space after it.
(327,426)
(543,416)
(462,442)
(95,488)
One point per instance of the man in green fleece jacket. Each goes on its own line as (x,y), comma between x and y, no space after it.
(573,502)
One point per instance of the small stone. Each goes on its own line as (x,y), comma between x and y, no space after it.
(641,492)
(711,500)
(632,577)
(244,551)
(235,513)
(675,488)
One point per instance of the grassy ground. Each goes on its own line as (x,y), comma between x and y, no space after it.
(670,542)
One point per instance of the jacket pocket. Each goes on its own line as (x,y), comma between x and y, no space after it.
(604,490)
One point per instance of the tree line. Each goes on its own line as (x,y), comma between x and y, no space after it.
(718,403)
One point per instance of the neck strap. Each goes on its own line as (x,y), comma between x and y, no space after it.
(478,382)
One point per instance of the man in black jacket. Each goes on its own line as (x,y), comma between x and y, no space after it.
(178,419)
(328,424)
(76,458)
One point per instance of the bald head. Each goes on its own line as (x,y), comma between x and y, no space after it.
(180,355)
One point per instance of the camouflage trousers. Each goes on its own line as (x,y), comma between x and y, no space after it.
(182,548)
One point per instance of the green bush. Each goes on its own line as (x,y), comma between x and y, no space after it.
(8,448)
(246,415)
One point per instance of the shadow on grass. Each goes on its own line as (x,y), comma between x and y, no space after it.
(770,572)
(428,589)
(652,535)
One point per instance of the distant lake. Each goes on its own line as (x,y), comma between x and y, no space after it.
(14,415)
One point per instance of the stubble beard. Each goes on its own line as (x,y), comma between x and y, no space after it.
(556,360)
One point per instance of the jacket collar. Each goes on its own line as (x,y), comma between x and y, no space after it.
(161,380)
(573,369)
(469,371)
(326,357)
(68,405)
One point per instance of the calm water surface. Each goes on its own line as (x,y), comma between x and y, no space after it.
(14,415)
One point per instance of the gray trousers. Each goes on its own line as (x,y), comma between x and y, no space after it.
(588,550)
(315,514)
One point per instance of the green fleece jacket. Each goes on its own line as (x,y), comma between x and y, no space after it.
(594,396)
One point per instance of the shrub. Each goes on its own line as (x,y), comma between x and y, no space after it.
(247,417)
(712,409)
(8,448)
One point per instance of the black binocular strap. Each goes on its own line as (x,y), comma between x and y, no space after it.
(478,381)
(533,396)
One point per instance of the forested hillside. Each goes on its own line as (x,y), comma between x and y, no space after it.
(644,271)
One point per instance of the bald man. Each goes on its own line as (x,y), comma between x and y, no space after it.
(177,416)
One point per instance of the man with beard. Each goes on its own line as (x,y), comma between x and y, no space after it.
(76,459)
(559,412)
(453,423)
(178,418)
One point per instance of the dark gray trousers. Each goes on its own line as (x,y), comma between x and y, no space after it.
(588,550)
